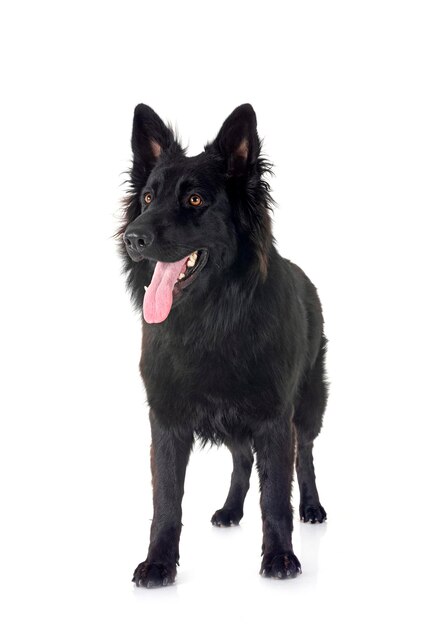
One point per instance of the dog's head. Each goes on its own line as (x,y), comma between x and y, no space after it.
(195,220)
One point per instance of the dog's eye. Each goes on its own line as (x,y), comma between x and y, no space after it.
(195,200)
(148,198)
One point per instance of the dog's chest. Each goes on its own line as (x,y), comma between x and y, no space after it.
(218,387)
(198,371)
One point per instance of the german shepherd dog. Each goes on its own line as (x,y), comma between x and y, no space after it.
(233,345)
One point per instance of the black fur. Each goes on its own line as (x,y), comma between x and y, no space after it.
(240,358)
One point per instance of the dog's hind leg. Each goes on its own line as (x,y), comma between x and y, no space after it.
(232,510)
(308,422)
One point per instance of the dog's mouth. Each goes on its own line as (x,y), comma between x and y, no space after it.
(193,266)
(168,282)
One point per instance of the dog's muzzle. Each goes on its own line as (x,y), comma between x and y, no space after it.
(136,242)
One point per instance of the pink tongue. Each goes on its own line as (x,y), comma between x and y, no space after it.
(158,298)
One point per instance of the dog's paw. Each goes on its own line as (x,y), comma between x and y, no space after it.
(226,517)
(285,565)
(313,514)
(154,575)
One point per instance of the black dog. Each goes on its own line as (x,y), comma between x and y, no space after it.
(233,345)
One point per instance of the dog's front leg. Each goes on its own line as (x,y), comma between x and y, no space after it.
(274,446)
(169,457)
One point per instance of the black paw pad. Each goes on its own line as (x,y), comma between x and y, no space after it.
(282,566)
(312,514)
(154,575)
(226,517)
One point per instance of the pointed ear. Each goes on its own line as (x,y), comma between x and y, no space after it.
(238,141)
(150,136)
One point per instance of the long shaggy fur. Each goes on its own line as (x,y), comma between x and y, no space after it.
(240,358)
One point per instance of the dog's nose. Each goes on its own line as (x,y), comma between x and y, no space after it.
(137,241)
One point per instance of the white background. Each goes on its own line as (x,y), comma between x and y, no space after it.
(339,90)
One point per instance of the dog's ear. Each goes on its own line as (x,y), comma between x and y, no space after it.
(238,141)
(150,137)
